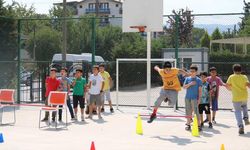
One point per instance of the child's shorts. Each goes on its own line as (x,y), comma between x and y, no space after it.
(205,108)
(95,99)
(214,104)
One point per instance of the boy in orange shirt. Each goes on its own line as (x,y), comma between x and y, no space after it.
(170,89)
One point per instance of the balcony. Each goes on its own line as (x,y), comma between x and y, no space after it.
(101,10)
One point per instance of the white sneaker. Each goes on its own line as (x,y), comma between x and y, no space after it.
(82,117)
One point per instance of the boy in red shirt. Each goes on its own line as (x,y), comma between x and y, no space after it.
(52,84)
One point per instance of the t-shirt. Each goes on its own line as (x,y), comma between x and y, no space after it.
(79,86)
(238,86)
(105,76)
(96,83)
(52,84)
(193,91)
(214,85)
(170,80)
(205,93)
(64,83)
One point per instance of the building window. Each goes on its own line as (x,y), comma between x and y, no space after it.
(91,5)
(116,5)
(80,6)
(104,5)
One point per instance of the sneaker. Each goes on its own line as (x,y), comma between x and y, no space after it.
(213,121)
(82,117)
(152,118)
(44,119)
(53,119)
(246,121)
(188,127)
(60,120)
(89,117)
(94,112)
(99,116)
(202,124)
(200,128)
(206,120)
(241,130)
(111,110)
(166,100)
(210,125)
(102,110)
(75,118)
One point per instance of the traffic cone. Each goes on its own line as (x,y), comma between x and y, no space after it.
(222,147)
(1,138)
(139,125)
(92,146)
(195,130)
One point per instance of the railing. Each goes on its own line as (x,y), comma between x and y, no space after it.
(101,10)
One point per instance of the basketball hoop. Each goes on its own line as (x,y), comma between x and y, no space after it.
(140,28)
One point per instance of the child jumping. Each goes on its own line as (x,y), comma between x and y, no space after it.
(171,86)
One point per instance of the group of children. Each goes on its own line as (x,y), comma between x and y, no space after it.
(202,93)
(95,92)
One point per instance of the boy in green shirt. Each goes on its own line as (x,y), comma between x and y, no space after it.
(237,83)
(79,84)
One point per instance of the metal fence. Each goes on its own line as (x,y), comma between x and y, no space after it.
(27,47)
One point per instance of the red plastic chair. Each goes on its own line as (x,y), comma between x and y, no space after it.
(55,99)
(7,100)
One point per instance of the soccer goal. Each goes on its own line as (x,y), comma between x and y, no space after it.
(132,81)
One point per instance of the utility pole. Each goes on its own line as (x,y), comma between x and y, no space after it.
(64,49)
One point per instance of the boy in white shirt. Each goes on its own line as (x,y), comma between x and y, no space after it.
(96,85)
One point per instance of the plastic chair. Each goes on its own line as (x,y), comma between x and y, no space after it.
(55,99)
(7,100)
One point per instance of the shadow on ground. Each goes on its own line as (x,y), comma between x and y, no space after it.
(178,140)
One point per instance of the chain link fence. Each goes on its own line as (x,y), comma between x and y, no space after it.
(29,44)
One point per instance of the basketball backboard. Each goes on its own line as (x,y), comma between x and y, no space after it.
(147,13)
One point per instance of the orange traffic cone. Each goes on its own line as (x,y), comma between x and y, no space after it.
(92,146)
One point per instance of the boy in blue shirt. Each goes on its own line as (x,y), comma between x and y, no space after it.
(193,85)
(205,100)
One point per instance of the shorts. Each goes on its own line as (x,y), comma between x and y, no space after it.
(78,99)
(95,99)
(205,108)
(214,104)
(172,95)
(106,95)
(190,106)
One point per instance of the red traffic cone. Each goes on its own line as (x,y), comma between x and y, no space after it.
(92,146)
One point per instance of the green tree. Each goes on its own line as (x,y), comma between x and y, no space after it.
(197,35)
(216,35)
(8,44)
(48,42)
(205,40)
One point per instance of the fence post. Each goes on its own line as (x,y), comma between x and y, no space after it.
(177,18)
(18,59)
(93,41)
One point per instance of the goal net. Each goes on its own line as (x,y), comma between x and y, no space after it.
(131,82)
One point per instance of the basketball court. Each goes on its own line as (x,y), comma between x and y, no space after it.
(118,132)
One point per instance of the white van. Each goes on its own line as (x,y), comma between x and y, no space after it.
(74,61)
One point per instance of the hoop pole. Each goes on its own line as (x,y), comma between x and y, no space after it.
(148,69)
(117,82)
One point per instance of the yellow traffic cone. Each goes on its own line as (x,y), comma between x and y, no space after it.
(195,130)
(139,125)
(222,147)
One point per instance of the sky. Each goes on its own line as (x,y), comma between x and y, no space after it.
(197,6)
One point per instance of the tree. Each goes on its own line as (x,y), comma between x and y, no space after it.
(48,42)
(205,40)
(197,35)
(215,36)
(185,27)
(8,45)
